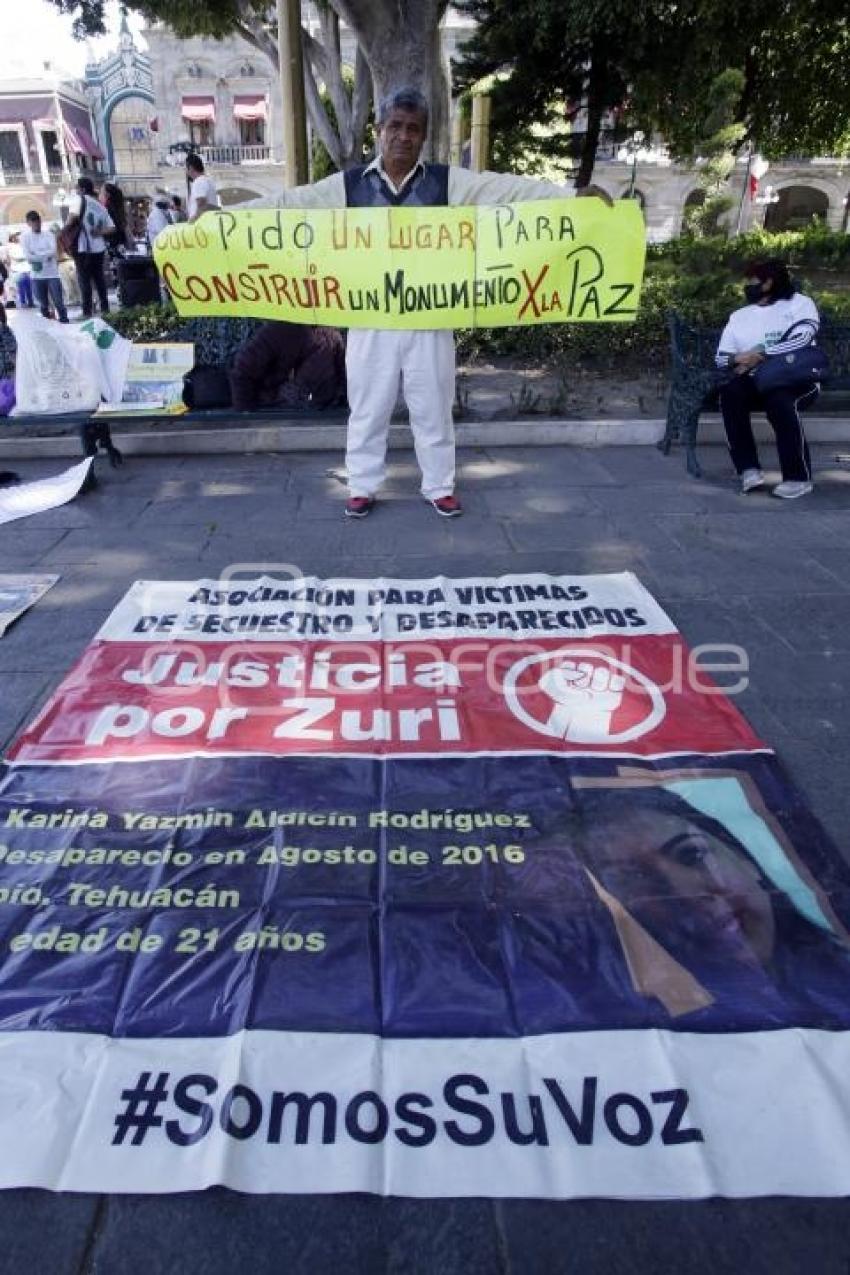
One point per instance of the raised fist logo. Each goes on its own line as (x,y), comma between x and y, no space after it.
(585,696)
(582,695)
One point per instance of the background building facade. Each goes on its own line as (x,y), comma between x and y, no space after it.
(46,141)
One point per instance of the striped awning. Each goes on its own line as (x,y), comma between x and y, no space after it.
(195,109)
(249,106)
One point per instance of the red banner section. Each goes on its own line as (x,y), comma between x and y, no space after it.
(639,695)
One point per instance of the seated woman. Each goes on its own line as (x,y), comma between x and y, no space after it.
(8,356)
(289,365)
(761,328)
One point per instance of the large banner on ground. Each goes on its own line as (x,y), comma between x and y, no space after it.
(433,887)
(550,261)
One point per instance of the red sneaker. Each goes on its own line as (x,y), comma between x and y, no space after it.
(447,506)
(359,506)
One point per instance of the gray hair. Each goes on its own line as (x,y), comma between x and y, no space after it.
(405,99)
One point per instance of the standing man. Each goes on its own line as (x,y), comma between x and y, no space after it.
(21,274)
(40,250)
(424,362)
(159,217)
(203,196)
(89,252)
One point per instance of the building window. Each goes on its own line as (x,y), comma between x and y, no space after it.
(252,132)
(52,154)
(199,116)
(249,111)
(201,132)
(11,155)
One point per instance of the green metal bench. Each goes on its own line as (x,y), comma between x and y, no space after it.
(693,387)
(216,342)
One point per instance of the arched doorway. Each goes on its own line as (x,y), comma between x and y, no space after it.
(796,208)
(131,139)
(14,210)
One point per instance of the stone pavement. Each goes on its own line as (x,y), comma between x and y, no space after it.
(770,576)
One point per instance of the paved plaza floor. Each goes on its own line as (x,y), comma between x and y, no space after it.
(769,576)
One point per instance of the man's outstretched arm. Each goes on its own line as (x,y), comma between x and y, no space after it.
(466,187)
(328,193)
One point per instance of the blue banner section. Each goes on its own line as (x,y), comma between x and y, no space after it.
(420,897)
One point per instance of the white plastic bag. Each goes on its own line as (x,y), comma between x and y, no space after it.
(114,353)
(58,369)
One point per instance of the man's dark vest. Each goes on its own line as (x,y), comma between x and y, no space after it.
(428,188)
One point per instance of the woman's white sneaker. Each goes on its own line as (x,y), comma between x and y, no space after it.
(750,479)
(791,490)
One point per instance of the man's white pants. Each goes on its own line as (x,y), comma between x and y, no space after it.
(425,362)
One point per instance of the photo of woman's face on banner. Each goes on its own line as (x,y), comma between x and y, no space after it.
(718,918)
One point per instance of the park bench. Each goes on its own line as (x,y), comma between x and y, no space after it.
(216,342)
(693,380)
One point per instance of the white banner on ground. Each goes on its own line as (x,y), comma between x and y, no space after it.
(645,1114)
(18,594)
(25,499)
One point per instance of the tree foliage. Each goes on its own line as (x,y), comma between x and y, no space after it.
(793,57)
(717,146)
(563,55)
(656,64)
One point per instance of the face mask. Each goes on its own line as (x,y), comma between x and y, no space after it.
(753,293)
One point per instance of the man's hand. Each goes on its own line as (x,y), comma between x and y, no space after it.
(747,361)
(595,192)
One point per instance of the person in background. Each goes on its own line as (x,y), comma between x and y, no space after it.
(178,212)
(118,239)
(8,357)
(776,320)
(21,274)
(90,249)
(159,217)
(289,365)
(43,256)
(8,349)
(203,196)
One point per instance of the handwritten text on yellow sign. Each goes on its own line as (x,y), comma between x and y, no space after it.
(550,261)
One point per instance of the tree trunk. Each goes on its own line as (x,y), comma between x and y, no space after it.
(402,44)
(322,62)
(399,46)
(596,82)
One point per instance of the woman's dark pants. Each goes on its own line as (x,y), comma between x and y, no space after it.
(739,398)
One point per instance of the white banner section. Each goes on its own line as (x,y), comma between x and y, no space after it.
(264,609)
(620,1114)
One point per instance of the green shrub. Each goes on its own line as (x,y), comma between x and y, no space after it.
(147,322)
(816,246)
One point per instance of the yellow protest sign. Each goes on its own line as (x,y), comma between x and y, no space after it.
(550,261)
